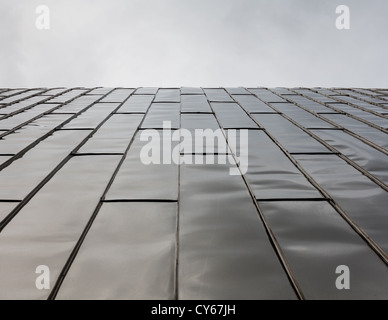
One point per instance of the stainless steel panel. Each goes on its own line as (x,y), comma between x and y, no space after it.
(168,95)
(129,253)
(20,118)
(362,154)
(160,112)
(23,137)
(46,230)
(266,95)
(190,90)
(195,103)
(92,117)
(224,251)
(271,174)
(363,200)
(151,91)
(232,116)
(118,95)
(137,103)
(316,240)
(138,181)
(24,174)
(294,139)
(362,129)
(253,104)
(114,135)
(78,104)
(217,95)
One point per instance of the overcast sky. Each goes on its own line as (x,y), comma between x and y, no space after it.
(135,43)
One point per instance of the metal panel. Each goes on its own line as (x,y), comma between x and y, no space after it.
(65,97)
(253,104)
(192,122)
(232,116)
(138,181)
(363,200)
(271,174)
(118,95)
(46,230)
(189,90)
(316,240)
(24,174)
(362,129)
(362,154)
(217,95)
(78,104)
(20,118)
(266,95)
(195,103)
(303,117)
(20,106)
(92,117)
(224,251)
(23,137)
(151,91)
(294,139)
(129,253)
(160,112)
(114,136)
(238,90)
(168,95)
(137,103)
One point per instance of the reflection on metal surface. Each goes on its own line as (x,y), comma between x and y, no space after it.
(76,197)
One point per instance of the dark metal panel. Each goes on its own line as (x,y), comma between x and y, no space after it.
(168,95)
(92,117)
(138,181)
(361,103)
(271,174)
(379,121)
(192,122)
(151,91)
(266,95)
(23,95)
(129,253)
(189,90)
(294,139)
(232,116)
(238,91)
(362,129)
(137,103)
(309,104)
(114,136)
(253,104)
(118,95)
(78,104)
(195,103)
(316,240)
(364,201)
(46,230)
(20,118)
(362,154)
(65,97)
(217,95)
(21,138)
(24,174)
(224,251)
(18,106)
(160,112)
(303,117)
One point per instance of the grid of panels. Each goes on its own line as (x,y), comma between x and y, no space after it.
(75,196)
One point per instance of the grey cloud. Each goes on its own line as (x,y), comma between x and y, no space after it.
(193,42)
